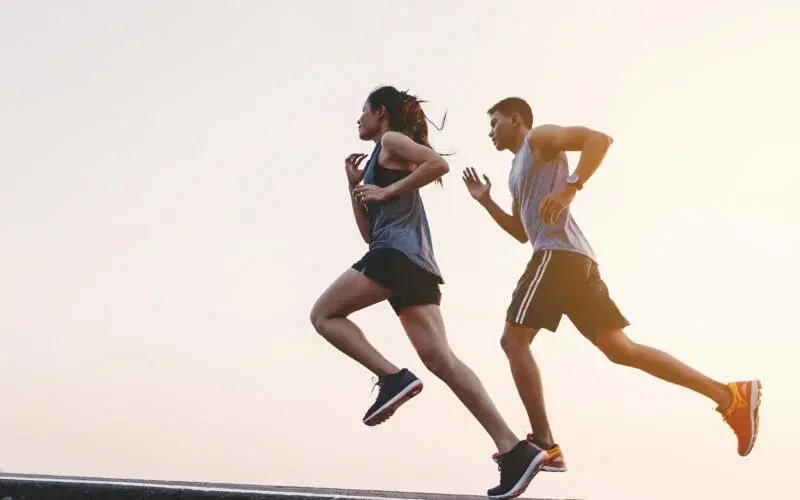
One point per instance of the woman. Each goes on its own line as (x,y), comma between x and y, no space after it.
(400,267)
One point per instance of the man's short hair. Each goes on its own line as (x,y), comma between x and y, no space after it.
(511,105)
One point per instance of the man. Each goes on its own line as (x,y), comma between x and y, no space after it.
(563,277)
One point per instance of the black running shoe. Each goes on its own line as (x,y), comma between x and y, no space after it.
(394,390)
(517,469)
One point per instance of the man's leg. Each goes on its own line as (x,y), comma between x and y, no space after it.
(738,402)
(516,343)
(623,351)
(519,460)
(535,304)
(598,318)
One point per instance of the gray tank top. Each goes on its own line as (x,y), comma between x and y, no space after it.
(400,222)
(529,183)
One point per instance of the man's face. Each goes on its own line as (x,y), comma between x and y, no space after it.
(369,123)
(503,130)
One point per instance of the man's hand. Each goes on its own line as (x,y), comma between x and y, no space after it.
(351,163)
(554,204)
(510,223)
(476,188)
(369,193)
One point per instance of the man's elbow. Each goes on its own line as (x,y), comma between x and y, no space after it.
(603,139)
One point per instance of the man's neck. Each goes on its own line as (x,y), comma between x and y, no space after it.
(518,141)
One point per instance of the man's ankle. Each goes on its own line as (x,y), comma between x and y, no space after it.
(543,444)
(725,399)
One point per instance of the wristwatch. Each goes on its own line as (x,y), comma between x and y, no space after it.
(574,180)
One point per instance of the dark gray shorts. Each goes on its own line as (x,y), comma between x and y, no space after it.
(559,282)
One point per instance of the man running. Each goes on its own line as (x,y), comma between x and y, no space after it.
(400,267)
(563,278)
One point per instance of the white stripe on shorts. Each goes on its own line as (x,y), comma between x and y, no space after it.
(537,278)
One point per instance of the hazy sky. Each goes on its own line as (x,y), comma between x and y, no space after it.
(173,200)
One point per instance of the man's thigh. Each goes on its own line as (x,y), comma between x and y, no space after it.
(591,308)
(537,301)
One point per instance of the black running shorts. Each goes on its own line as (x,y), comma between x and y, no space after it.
(410,284)
(558,282)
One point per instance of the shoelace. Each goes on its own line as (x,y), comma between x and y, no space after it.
(737,403)
(499,460)
(379,383)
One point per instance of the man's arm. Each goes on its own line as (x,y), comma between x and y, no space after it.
(593,145)
(430,165)
(510,223)
(481,192)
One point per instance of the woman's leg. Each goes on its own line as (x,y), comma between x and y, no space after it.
(425,328)
(351,292)
(518,460)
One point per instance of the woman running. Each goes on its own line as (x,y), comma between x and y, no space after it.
(400,267)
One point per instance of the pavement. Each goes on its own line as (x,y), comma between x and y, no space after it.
(44,487)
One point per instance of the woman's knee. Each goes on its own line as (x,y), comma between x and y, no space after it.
(351,292)
(317,317)
(425,329)
(438,360)
(320,314)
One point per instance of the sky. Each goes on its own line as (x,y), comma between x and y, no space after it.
(173,200)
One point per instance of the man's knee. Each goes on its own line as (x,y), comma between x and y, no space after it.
(516,338)
(617,347)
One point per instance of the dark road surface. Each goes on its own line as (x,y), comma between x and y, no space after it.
(40,487)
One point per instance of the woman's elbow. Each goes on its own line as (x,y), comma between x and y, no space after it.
(442,167)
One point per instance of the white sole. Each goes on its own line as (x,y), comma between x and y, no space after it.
(755,402)
(410,391)
(526,478)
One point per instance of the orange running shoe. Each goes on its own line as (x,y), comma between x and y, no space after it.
(742,414)
(555,461)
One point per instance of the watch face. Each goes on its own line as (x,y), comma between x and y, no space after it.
(572,179)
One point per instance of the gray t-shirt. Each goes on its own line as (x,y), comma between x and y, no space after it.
(530,182)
